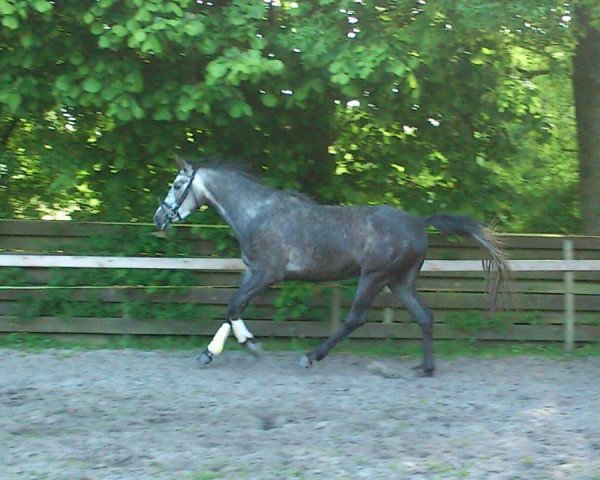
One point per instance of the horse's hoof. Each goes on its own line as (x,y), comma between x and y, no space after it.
(304,362)
(204,358)
(253,347)
(425,373)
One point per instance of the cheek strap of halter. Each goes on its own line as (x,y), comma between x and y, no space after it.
(172,213)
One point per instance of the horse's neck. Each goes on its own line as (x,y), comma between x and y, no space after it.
(237,199)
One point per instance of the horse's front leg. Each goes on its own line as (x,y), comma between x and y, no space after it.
(252,284)
(241,333)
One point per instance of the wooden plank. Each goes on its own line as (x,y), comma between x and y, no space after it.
(547,241)
(221,296)
(401,318)
(268,312)
(515,276)
(279,329)
(464,253)
(108,326)
(154,263)
(534,282)
(411,331)
(42,276)
(62,228)
(516,286)
(518,242)
(71,261)
(81,246)
(515,265)
(36,245)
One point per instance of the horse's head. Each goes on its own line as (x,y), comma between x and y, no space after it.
(185,197)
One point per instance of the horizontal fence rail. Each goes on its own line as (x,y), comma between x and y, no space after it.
(234,264)
(101,278)
(71,261)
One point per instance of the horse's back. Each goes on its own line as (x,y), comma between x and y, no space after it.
(334,241)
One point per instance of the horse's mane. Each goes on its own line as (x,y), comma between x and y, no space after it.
(301,196)
(232,165)
(241,168)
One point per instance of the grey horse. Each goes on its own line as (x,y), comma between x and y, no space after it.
(285,235)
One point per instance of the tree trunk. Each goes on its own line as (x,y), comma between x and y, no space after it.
(586,84)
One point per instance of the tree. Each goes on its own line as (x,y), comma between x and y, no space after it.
(426,105)
(586,87)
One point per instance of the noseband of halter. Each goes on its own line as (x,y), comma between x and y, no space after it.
(172,211)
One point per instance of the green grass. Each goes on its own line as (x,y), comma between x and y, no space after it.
(379,348)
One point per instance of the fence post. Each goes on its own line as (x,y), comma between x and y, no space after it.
(336,308)
(569,285)
(388,312)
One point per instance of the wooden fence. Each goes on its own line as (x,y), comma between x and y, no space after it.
(554,294)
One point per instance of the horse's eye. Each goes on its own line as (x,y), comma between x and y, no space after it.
(176,186)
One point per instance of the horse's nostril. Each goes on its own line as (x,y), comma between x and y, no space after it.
(159,219)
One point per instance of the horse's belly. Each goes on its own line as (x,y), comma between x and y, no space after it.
(316,269)
(321,276)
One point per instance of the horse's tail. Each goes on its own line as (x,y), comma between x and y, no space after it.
(496,264)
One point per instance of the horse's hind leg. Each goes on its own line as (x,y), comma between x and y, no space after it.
(406,292)
(368,288)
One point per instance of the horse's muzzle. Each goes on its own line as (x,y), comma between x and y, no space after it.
(161,220)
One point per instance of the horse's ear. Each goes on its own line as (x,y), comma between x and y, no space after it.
(182,164)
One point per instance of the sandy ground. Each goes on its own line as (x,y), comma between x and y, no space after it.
(157,415)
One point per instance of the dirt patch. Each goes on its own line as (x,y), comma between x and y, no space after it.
(157,415)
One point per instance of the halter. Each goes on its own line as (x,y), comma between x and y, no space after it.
(172,211)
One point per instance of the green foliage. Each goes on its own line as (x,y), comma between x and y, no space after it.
(294,301)
(429,106)
(473,322)
(13,277)
(223,240)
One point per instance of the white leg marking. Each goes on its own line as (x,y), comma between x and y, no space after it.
(240,331)
(218,342)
